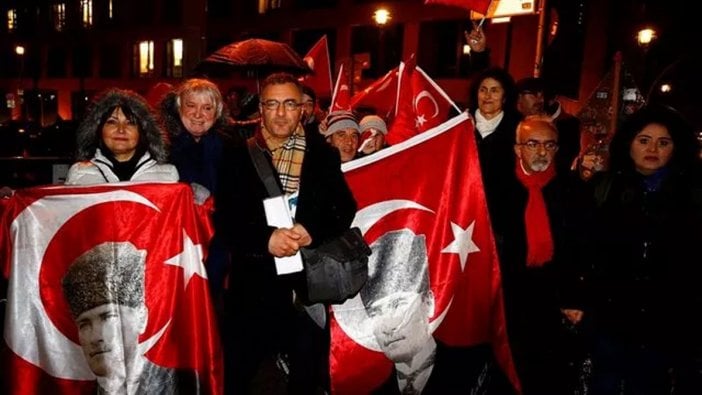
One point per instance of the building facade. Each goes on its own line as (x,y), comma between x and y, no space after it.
(74,48)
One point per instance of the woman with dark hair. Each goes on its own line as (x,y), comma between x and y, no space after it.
(493,106)
(120,140)
(648,229)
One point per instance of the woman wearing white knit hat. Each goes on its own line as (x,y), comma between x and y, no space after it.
(373,131)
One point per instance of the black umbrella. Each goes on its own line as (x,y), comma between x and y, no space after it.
(253,55)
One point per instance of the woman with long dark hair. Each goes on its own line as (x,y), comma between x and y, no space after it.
(120,140)
(648,232)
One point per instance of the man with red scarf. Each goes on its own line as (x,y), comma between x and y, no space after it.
(542,259)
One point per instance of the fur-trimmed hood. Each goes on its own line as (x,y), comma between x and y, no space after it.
(170,116)
(88,138)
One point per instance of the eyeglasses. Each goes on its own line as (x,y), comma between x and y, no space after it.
(272,105)
(533,145)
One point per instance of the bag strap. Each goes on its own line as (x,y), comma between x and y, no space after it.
(263,168)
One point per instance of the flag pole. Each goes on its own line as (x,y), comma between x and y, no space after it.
(616,88)
(538,57)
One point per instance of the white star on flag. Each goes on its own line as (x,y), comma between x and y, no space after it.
(190,260)
(420,121)
(462,243)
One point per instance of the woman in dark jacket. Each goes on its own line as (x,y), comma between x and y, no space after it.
(648,232)
(493,105)
(194,117)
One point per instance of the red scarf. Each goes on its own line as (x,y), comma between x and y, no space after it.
(538,227)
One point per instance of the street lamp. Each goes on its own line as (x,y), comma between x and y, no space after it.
(381,16)
(645,36)
(19,100)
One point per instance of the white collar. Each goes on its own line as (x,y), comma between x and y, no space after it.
(486,126)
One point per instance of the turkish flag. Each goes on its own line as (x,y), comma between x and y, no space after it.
(432,188)
(431,104)
(318,60)
(480,6)
(341,98)
(421,104)
(404,125)
(45,230)
(381,95)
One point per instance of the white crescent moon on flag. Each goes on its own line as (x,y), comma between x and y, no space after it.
(33,336)
(428,95)
(351,315)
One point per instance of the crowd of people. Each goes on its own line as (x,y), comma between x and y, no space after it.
(599,270)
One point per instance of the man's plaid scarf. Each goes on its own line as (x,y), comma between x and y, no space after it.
(287,157)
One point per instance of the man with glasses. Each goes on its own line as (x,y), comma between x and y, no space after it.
(543,258)
(262,318)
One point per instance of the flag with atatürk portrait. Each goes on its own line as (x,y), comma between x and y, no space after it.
(92,267)
(427,190)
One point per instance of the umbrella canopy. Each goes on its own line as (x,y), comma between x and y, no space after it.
(258,55)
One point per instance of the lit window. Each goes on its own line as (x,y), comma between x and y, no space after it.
(174,60)
(177,52)
(11,20)
(110,13)
(266,5)
(86,12)
(59,15)
(145,57)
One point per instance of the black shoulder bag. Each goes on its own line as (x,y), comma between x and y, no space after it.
(335,270)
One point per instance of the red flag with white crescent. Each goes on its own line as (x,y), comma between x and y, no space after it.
(432,189)
(404,125)
(421,104)
(341,98)
(45,229)
(318,60)
(432,104)
(381,95)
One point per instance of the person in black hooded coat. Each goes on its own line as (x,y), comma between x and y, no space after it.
(647,258)
(194,116)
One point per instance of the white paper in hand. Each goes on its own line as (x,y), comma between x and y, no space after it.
(278,215)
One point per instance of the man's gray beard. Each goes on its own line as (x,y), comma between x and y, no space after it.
(539,166)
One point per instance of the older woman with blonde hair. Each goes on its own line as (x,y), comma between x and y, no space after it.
(120,140)
(194,116)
